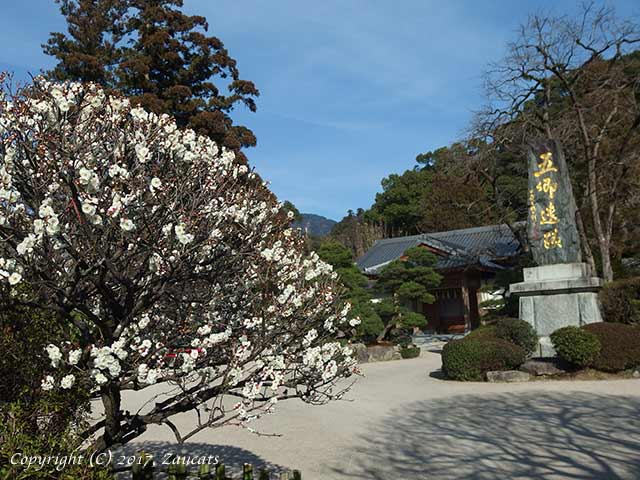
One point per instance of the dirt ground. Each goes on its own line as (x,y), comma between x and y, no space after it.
(402,421)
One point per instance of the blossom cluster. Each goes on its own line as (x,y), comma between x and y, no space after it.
(171,256)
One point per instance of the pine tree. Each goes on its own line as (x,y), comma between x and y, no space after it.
(160,58)
(406,281)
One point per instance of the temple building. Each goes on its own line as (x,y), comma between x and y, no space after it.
(468,259)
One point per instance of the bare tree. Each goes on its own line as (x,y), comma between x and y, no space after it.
(575,80)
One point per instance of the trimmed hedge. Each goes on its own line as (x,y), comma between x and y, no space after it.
(621,301)
(470,359)
(620,346)
(576,346)
(518,332)
(410,351)
(485,332)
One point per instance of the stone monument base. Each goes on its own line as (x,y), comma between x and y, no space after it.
(555,296)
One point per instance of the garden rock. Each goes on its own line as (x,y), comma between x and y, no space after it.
(382,353)
(542,366)
(360,352)
(508,376)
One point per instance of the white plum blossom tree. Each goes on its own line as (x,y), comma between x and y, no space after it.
(168,258)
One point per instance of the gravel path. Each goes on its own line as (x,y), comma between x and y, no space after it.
(402,422)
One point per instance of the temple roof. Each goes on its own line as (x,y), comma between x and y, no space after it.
(479,246)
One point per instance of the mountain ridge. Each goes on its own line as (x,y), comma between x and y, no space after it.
(314,224)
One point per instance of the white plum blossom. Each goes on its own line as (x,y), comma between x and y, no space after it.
(310,337)
(68,381)
(127,225)
(174,260)
(105,360)
(143,370)
(55,355)
(155,184)
(99,378)
(74,356)
(48,383)
(26,246)
(142,152)
(181,234)
(15,278)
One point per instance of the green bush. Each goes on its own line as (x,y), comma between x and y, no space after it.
(401,337)
(470,359)
(518,332)
(18,434)
(485,332)
(370,322)
(32,421)
(576,346)
(410,351)
(621,301)
(619,346)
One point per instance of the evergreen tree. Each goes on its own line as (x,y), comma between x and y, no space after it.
(407,281)
(158,56)
(91,49)
(357,294)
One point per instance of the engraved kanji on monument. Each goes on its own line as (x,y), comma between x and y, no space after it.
(551,225)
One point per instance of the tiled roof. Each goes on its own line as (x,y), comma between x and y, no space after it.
(469,246)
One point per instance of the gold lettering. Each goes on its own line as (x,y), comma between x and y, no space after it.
(547,186)
(546,165)
(532,206)
(548,215)
(552,239)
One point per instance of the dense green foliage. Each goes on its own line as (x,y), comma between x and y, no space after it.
(158,56)
(355,283)
(484,332)
(576,346)
(410,277)
(619,346)
(621,301)
(405,282)
(398,206)
(25,334)
(503,345)
(518,332)
(33,421)
(470,359)
(410,351)
(19,434)
(436,195)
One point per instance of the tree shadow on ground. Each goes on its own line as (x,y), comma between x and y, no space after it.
(533,435)
(232,457)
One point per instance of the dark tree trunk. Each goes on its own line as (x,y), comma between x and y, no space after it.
(111,401)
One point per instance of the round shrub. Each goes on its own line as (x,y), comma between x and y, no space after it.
(575,345)
(519,332)
(410,351)
(621,301)
(485,332)
(470,359)
(619,346)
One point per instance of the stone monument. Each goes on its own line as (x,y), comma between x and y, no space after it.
(561,290)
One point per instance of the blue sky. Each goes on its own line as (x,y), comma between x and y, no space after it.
(351,90)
